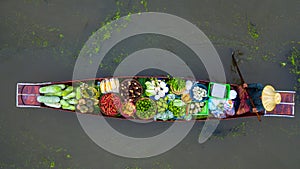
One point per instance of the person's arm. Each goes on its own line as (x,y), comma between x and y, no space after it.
(258,108)
(256,86)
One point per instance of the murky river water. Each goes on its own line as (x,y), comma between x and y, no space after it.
(40,40)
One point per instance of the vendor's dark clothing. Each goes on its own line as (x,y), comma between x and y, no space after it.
(255,91)
(242,102)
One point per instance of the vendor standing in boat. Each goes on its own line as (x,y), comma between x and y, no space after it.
(262,97)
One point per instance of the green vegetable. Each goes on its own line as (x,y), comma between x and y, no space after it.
(145,108)
(150,92)
(62,86)
(178,111)
(70,107)
(69,96)
(67,91)
(72,101)
(54,94)
(149,85)
(178,103)
(54,105)
(64,103)
(143,105)
(162,105)
(48,99)
(50,89)
(177,83)
(78,93)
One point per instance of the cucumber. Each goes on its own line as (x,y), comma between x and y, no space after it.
(50,89)
(48,99)
(54,94)
(54,105)
(67,91)
(64,103)
(69,96)
(70,107)
(72,101)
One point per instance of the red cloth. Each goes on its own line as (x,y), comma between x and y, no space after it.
(244,107)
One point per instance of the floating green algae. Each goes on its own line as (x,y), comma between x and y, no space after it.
(294,61)
(252,31)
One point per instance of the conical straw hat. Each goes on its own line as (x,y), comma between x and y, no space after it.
(270,98)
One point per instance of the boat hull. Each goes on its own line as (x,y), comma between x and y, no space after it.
(27,93)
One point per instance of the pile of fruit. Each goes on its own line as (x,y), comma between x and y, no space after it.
(58,96)
(87,96)
(145,108)
(128,109)
(196,107)
(131,90)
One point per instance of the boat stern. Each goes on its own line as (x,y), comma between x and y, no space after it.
(27,93)
(287,106)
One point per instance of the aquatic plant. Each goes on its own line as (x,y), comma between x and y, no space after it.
(252,31)
(294,62)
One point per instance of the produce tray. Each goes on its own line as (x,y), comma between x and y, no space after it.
(201,86)
(227,91)
(204,112)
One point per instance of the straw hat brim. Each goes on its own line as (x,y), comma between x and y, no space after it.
(270,98)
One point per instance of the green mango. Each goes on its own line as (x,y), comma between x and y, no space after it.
(69,96)
(70,107)
(64,103)
(67,91)
(72,101)
(78,93)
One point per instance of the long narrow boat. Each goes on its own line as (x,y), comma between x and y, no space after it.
(139,97)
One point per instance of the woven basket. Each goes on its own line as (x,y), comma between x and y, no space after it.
(177,92)
(153,104)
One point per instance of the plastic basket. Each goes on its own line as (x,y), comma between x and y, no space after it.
(226,94)
(204,112)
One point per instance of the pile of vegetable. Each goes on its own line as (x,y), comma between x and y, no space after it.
(109,85)
(198,93)
(162,105)
(156,88)
(110,104)
(178,108)
(58,96)
(177,85)
(162,108)
(86,105)
(87,96)
(196,107)
(131,90)
(145,108)
(128,109)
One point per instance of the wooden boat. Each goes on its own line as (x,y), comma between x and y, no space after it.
(27,96)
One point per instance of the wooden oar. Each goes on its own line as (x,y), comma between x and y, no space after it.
(243,81)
